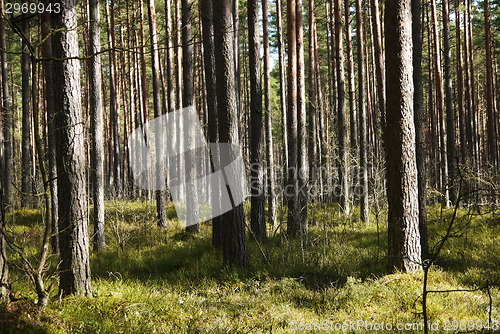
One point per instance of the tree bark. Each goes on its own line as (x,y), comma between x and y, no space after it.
(342,138)
(7,119)
(271,176)
(490,94)
(363,142)
(188,101)
(419,119)
(353,117)
(96,124)
(257,221)
(404,239)
(51,142)
(234,243)
(113,101)
(160,197)
(211,91)
(74,267)
(26,153)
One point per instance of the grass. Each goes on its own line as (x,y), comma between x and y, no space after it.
(166,281)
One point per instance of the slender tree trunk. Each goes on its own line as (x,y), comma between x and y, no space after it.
(268,126)
(257,221)
(282,81)
(353,117)
(292,177)
(303,165)
(440,105)
(4,269)
(161,214)
(419,119)
(234,241)
(7,119)
(460,84)
(211,91)
(404,239)
(188,102)
(450,110)
(363,143)
(490,94)
(96,124)
(113,101)
(74,267)
(341,116)
(51,144)
(26,154)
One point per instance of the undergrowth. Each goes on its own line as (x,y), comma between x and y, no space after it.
(152,280)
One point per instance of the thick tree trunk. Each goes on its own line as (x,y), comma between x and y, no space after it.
(74,267)
(404,239)
(234,242)
(96,125)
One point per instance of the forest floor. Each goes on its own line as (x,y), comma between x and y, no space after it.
(166,281)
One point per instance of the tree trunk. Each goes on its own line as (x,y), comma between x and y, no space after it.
(113,101)
(363,142)
(51,143)
(292,180)
(490,94)
(353,117)
(234,242)
(419,115)
(74,267)
(26,185)
(7,119)
(161,214)
(271,176)
(460,84)
(451,156)
(342,138)
(404,239)
(282,81)
(211,91)
(96,124)
(257,221)
(188,102)
(4,269)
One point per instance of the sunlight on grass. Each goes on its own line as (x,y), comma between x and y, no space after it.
(152,280)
